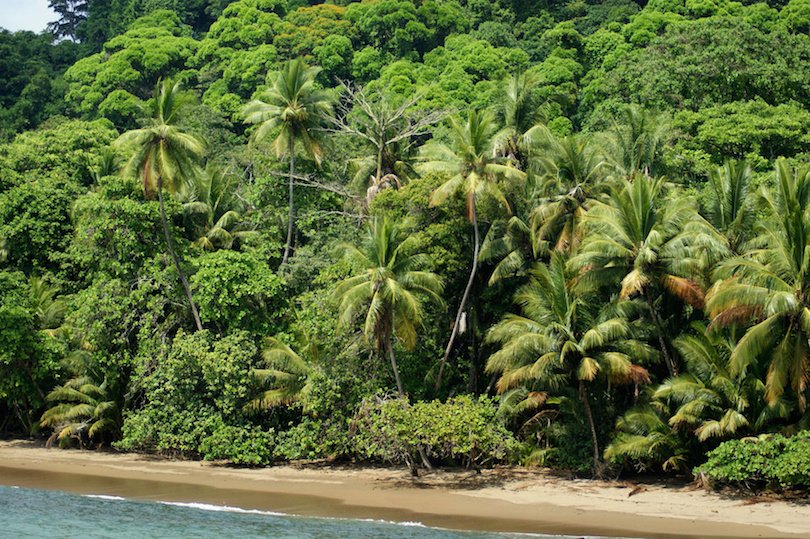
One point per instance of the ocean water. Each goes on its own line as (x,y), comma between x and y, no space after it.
(27,512)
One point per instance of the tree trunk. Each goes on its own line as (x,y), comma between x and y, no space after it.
(379,163)
(583,396)
(173,254)
(671,367)
(454,333)
(291,203)
(389,348)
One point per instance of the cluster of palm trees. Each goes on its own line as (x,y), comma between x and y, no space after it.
(621,277)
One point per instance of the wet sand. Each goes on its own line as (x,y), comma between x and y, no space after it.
(496,500)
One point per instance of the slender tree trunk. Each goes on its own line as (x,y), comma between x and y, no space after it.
(389,348)
(583,396)
(173,254)
(379,163)
(454,333)
(671,367)
(291,203)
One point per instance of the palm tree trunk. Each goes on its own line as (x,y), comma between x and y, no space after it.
(389,348)
(173,254)
(671,367)
(583,396)
(291,217)
(454,333)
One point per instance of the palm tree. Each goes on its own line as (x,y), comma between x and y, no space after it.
(86,407)
(285,376)
(571,176)
(214,211)
(730,207)
(647,243)
(49,308)
(165,157)
(519,111)
(563,338)
(472,167)
(388,290)
(637,139)
(292,110)
(770,286)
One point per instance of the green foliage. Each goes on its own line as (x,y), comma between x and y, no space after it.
(771,461)
(238,291)
(156,46)
(239,445)
(464,430)
(191,393)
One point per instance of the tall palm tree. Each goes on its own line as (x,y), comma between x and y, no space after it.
(292,110)
(563,338)
(165,157)
(730,206)
(388,291)
(647,243)
(213,210)
(473,169)
(769,286)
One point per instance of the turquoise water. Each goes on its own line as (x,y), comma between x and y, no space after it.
(26,512)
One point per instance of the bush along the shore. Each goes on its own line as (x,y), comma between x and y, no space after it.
(462,431)
(770,461)
(565,234)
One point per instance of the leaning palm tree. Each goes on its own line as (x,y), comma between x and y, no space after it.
(645,243)
(473,169)
(165,156)
(769,287)
(292,110)
(388,291)
(562,338)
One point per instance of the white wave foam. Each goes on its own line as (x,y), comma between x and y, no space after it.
(105,497)
(223,508)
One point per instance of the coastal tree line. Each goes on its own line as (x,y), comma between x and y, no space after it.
(571,235)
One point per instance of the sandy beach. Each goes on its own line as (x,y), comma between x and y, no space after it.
(496,500)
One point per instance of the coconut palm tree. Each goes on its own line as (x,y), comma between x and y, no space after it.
(292,110)
(389,290)
(519,110)
(87,406)
(562,338)
(730,206)
(165,157)
(769,286)
(213,211)
(636,141)
(473,169)
(285,376)
(645,243)
(571,175)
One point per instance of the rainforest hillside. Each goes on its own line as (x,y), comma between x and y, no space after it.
(433,232)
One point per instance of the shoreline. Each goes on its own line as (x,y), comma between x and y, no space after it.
(512,500)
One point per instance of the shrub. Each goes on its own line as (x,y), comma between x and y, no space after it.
(772,461)
(463,430)
(239,445)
